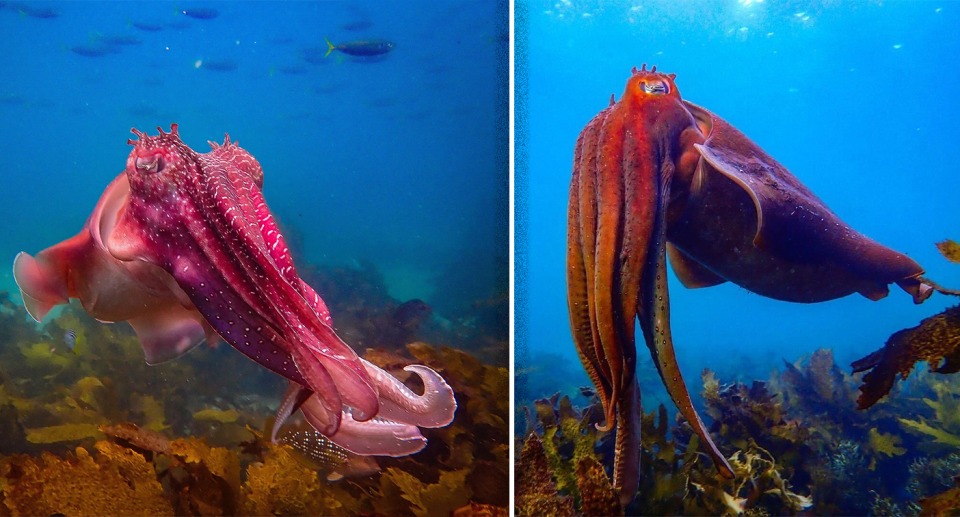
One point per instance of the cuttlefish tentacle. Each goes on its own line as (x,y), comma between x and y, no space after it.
(655,319)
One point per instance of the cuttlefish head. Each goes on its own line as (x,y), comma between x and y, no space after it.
(159,165)
(651,86)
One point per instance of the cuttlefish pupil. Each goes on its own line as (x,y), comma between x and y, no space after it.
(658,88)
(151,164)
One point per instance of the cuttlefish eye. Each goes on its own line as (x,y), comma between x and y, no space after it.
(655,87)
(151,164)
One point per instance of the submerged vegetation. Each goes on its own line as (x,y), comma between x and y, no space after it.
(807,441)
(94,430)
(797,444)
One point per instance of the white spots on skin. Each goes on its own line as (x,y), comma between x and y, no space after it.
(211,206)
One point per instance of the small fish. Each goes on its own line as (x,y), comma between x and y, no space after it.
(358,25)
(225,65)
(201,13)
(147,26)
(94,50)
(373,47)
(118,39)
(316,452)
(12,99)
(70,339)
(33,12)
(291,69)
(587,391)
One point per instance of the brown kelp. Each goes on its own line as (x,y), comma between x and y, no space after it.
(935,340)
(96,431)
(800,446)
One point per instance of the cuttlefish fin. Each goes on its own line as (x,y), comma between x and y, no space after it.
(44,280)
(692,274)
(792,222)
(654,315)
(168,334)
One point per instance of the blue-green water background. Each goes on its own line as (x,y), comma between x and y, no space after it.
(858,99)
(390,161)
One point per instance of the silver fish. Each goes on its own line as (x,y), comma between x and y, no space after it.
(70,339)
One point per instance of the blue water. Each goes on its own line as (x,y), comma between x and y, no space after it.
(390,161)
(859,100)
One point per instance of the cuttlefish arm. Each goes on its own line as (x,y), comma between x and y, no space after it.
(794,225)
(623,167)
(581,249)
(395,430)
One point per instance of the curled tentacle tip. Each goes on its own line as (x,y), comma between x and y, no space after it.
(606,426)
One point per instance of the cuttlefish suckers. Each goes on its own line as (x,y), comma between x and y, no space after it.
(372,47)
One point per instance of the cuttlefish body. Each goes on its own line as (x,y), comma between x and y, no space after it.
(183,246)
(655,176)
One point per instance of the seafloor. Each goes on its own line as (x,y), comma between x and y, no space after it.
(811,440)
(96,431)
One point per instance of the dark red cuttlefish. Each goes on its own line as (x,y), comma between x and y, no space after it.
(655,176)
(183,246)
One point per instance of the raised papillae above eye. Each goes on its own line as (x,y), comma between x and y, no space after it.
(150,164)
(654,87)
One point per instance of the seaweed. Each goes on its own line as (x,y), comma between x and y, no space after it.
(950,250)
(944,426)
(537,493)
(97,431)
(935,340)
(118,481)
(566,470)
(798,444)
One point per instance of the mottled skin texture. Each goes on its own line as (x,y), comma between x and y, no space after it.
(935,340)
(184,244)
(203,219)
(655,176)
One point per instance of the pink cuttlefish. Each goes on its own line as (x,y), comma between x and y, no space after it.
(183,246)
